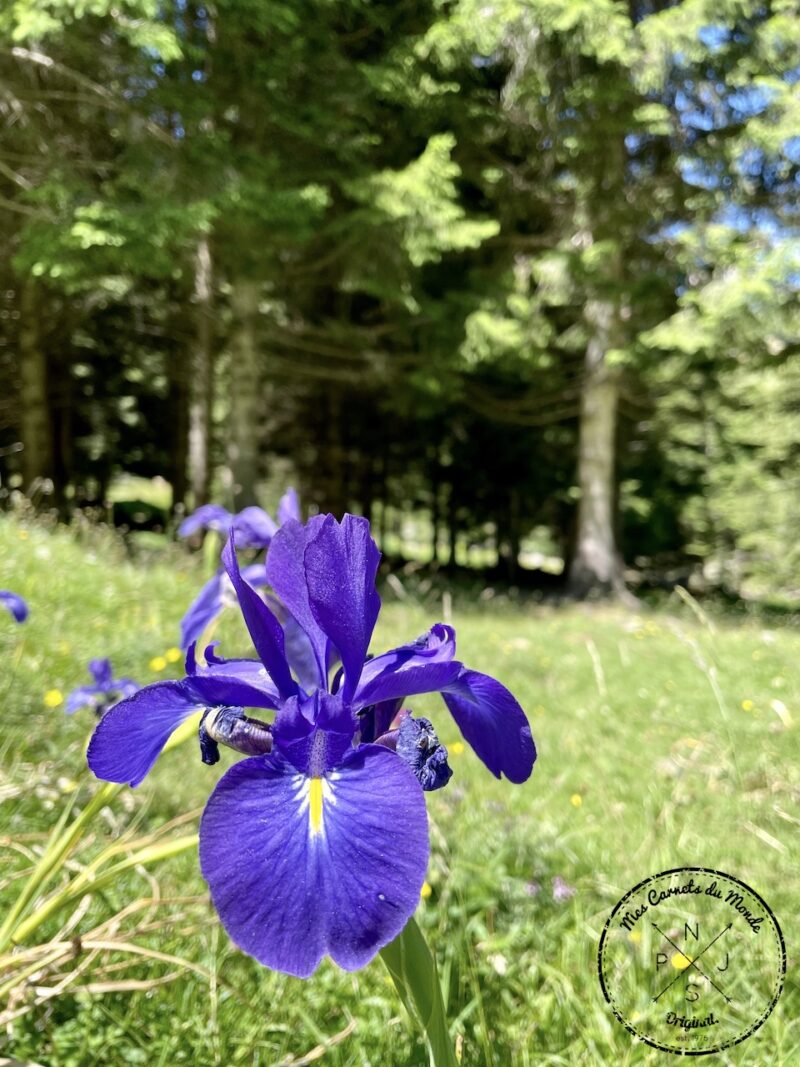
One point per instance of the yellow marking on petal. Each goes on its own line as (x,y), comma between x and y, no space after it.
(315,805)
(680,962)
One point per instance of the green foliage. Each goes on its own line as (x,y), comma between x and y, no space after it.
(433,201)
(422,198)
(653,756)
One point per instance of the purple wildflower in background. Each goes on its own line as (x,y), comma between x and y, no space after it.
(15,604)
(317,844)
(106,691)
(253,528)
(562,890)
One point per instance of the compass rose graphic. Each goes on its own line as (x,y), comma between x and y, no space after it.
(692,961)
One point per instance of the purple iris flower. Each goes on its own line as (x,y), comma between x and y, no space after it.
(106,691)
(253,528)
(317,844)
(15,604)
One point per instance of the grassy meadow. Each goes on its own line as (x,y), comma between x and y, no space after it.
(666,738)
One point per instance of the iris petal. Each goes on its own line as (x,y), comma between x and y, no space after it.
(15,604)
(130,736)
(253,528)
(425,666)
(203,610)
(287,576)
(264,628)
(289,507)
(247,680)
(210,516)
(341,562)
(300,868)
(493,723)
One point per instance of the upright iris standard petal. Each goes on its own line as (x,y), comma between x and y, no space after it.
(287,576)
(300,654)
(301,867)
(207,517)
(100,670)
(341,562)
(15,604)
(424,666)
(289,507)
(130,736)
(264,628)
(493,723)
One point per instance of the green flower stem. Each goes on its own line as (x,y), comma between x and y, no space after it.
(413,969)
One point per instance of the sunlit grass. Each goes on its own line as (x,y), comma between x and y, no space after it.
(664,739)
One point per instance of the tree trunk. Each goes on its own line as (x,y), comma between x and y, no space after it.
(38,459)
(178,377)
(201,379)
(452,527)
(436,511)
(596,567)
(245,394)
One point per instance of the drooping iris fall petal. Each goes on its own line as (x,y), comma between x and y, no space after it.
(15,604)
(300,867)
(130,736)
(493,723)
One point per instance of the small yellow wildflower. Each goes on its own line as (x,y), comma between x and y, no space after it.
(635,936)
(426,890)
(53,697)
(64,648)
(457,748)
(680,962)
(539,709)
(172,655)
(23,535)
(747,705)
(576,800)
(158,663)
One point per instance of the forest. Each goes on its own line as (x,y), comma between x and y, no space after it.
(521,275)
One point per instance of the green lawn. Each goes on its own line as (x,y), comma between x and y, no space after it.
(664,739)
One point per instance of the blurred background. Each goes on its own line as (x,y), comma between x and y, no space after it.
(517,280)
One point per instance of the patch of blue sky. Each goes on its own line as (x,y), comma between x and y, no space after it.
(714,37)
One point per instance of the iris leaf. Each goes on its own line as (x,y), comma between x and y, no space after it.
(413,969)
